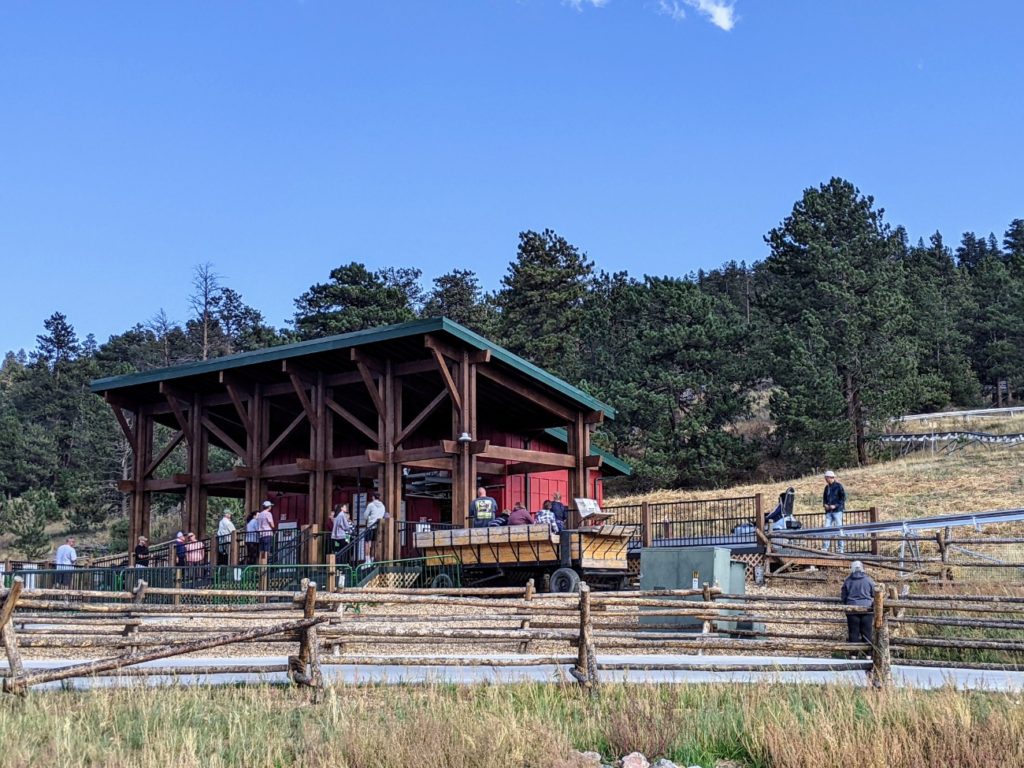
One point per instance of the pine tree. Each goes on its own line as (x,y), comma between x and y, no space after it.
(834,292)
(356,298)
(542,302)
(457,295)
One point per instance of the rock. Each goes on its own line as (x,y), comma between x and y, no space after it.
(634,760)
(588,759)
(665,763)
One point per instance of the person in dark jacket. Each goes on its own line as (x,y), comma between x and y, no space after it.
(859,590)
(833,499)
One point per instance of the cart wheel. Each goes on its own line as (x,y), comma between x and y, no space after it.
(442,581)
(565,580)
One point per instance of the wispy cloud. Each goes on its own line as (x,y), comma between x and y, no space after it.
(721,13)
(579,4)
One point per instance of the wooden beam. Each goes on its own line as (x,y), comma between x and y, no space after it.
(219,478)
(352,419)
(435,344)
(282,437)
(421,417)
(445,463)
(552,460)
(446,377)
(364,363)
(415,454)
(528,468)
(349,462)
(299,385)
(271,470)
(129,433)
(475,447)
(172,400)
(532,394)
(171,445)
(234,393)
(223,436)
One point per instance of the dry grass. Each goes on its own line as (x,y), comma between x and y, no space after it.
(974,479)
(782,726)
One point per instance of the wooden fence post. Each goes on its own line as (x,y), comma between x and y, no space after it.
(873,517)
(586,659)
(881,657)
(264,575)
(525,624)
(7,635)
(646,531)
(331,573)
(177,585)
(759,517)
(233,549)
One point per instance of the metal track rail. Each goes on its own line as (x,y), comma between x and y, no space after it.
(975,519)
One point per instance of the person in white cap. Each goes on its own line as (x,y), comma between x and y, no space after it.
(225,531)
(833,500)
(265,524)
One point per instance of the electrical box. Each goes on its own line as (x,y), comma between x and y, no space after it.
(690,568)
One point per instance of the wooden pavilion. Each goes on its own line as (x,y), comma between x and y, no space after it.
(422,412)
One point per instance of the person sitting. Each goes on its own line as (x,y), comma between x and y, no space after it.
(520,515)
(547,517)
(500,519)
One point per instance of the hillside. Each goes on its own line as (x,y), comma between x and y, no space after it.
(973,479)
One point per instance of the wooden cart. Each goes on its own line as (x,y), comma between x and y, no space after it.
(558,561)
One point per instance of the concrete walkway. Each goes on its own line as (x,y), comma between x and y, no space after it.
(916,677)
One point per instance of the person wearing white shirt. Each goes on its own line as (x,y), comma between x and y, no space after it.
(375,512)
(225,530)
(65,561)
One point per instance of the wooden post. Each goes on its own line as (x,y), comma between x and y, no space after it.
(264,575)
(873,517)
(233,549)
(706,597)
(9,638)
(646,531)
(331,573)
(759,516)
(881,657)
(525,624)
(177,585)
(586,660)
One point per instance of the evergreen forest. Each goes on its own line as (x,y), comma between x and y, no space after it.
(758,369)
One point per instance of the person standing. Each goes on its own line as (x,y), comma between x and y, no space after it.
(482,510)
(375,512)
(225,530)
(858,590)
(833,500)
(142,553)
(341,528)
(65,561)
(252,539)
(179,549)
(265,525)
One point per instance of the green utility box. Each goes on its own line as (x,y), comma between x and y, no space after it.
(690,568)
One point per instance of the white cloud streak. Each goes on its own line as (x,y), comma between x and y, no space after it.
(721,13)
(579,4)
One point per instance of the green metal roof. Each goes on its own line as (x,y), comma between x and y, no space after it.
(610,459)
(354,339)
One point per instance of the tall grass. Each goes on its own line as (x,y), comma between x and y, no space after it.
(765,726)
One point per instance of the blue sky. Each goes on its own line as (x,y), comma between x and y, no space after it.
(277,140)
